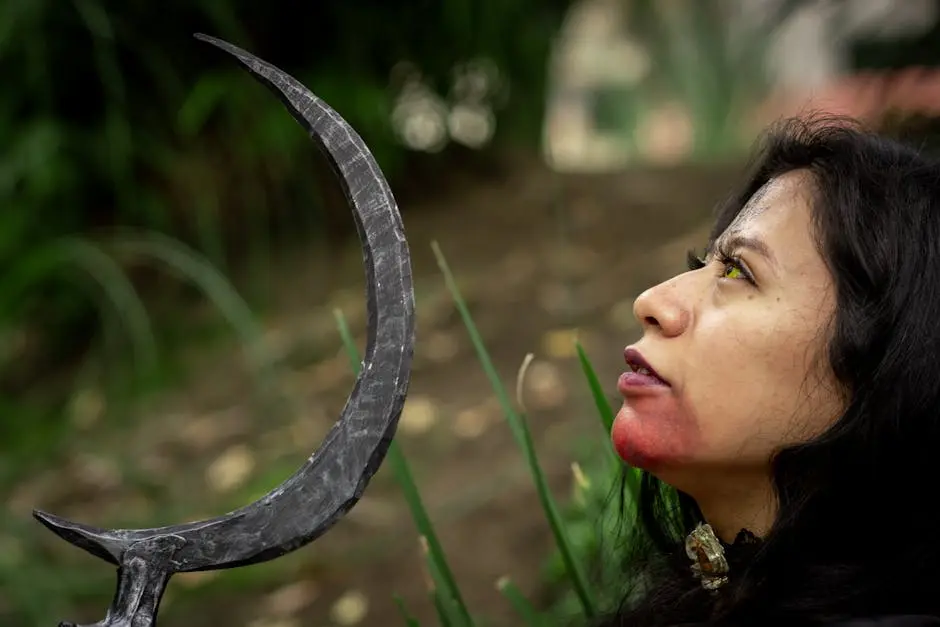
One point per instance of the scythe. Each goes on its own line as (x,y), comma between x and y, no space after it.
(333,479)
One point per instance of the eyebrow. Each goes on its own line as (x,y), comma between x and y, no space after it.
(739,241)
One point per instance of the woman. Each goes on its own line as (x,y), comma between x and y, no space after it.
(784,399)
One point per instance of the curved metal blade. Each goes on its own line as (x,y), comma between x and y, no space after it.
(334,477)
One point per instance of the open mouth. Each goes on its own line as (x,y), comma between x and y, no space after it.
(640,366)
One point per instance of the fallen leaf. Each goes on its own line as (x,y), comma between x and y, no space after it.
(230,469)
(470,423)
(350,609)
(418,415)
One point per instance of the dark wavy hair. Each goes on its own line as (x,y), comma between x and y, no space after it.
(856,532)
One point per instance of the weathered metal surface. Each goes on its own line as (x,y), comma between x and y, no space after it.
(332,480)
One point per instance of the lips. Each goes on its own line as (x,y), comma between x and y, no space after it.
(640,366)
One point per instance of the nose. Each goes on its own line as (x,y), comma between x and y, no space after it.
(660,309)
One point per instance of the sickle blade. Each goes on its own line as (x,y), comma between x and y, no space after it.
(333,479)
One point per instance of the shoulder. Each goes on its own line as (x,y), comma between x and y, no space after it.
(899,620)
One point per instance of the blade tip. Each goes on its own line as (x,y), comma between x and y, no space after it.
(221,44)
(47,519)
(99,542)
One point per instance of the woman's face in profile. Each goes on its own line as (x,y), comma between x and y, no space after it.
(739,346)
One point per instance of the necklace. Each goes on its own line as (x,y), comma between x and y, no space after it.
(708,557)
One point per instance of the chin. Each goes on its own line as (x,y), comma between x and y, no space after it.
(648,447)
(660,434)
(632,451)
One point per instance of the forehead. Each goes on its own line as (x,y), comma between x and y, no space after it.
(779,213)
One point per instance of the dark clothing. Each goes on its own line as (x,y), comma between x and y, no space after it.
(900,620)
(895,620)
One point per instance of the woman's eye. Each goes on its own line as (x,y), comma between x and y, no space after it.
(733,272)
(733,269)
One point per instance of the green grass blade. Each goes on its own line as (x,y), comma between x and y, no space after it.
(217,288)
(410,620)
(606,413)
(520,431)
(70,252)
(604,410)
(402,471)
(355,360)
(443,618)
(195,267)
(120,291)
(448,610)
(519,602)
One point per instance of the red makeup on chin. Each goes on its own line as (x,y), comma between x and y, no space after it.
(653,431)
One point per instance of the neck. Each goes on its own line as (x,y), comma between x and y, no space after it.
(735,504)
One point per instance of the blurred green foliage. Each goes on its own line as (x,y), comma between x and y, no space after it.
(113,115)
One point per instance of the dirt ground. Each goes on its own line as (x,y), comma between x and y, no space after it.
(539,256)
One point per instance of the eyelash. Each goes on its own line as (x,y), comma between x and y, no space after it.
(726,258)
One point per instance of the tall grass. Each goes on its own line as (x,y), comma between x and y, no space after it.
(446,595)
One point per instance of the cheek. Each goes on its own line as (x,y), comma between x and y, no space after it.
(746,412)
(650,433)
